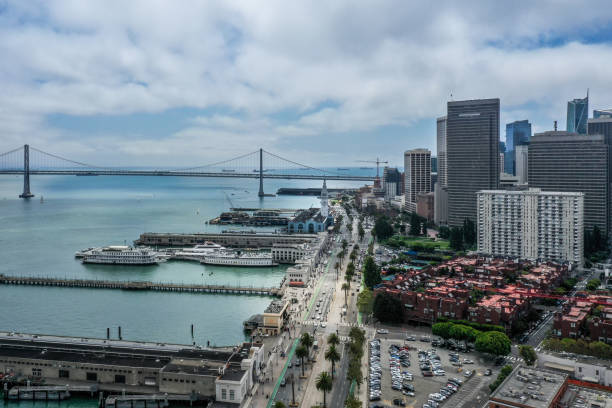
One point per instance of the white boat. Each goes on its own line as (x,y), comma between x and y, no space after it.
(237,258)
(197,252)
(83,252)
(122,255)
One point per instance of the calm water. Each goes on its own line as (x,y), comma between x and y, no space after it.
(40,239)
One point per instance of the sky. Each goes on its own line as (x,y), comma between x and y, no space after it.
(325,83)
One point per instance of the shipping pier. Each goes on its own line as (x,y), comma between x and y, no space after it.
(140,286)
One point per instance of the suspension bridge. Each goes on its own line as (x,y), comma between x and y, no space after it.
(260,164)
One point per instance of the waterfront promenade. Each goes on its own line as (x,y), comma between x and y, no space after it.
(140,285)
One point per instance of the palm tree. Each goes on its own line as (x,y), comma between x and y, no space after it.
(306,340)
(337,266)
(279,404)
(301,352)
(333,339)
(345,288)
(324,383)
(332,356)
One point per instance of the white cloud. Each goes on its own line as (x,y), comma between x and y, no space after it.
(378,63)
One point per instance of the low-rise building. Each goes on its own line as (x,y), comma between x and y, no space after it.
(275,317)
(530,388)
(134,366)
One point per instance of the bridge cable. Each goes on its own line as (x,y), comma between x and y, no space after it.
(70,161)
(303,165)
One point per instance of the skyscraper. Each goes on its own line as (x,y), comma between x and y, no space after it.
(417,167)
(602,125)
(472,149)
(564,161)
(517,132)
(577,115)
(522,164)
(441,145)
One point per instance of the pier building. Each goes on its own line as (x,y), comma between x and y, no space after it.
(222,374)
(227,239)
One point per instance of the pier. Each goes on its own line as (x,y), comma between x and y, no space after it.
(140,285)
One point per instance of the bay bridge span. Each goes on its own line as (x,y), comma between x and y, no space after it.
(27,160)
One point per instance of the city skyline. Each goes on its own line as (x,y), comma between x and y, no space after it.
(103,83)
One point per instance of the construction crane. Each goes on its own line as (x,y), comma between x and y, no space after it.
(377,161)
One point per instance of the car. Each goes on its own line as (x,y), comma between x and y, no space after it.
(500,361)
(468,373)
(408,393)
(488,372)
(382,331)
(323,324)
(398,402)
(283,383)
(410,338)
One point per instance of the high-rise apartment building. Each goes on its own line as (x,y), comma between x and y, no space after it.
(417,170)
(441,146)
(564,161)
(517,132)
(531,224)
(391,183)
(522,165)
(577,115)
(472,154)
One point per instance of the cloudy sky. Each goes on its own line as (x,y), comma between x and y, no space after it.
(323,82)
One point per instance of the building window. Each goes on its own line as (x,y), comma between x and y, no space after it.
(37,372)
(232,396)
(223,394)
(119,379)
(579,369)
(92,376)
(64,374)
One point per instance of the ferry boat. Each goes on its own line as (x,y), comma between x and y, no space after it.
(198,251)
(237,258)
(122,255)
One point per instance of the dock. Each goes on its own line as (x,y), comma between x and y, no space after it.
(140,286)
(150,401)
(48,393)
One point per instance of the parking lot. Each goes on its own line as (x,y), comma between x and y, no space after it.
(424,386)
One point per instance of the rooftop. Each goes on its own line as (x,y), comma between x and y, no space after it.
(528,387)
(276,306)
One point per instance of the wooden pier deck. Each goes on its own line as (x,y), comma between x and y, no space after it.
(140,285)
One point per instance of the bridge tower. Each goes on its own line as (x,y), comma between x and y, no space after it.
(261,190)
(26,173)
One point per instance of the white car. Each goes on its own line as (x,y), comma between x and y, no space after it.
(382,331)
(323,324)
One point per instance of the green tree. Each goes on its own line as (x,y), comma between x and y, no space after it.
(456,238)
(350,269)
(365,301)
(469,232)
(442,329)
(493,342)
(382,228)
(360,231)
(593,284)
(352,402)
(279,404)
(444,232)
(324,384)
(301,352)
(333,357)
(333,339)
(387,308)
(371,273)
(415,225)
(528,354)
(346,287)
(337,267)
(344,244)
(306,340)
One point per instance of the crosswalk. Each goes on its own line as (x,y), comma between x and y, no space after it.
(342,324)
(515,359)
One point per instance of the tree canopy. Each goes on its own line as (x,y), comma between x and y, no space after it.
(387,308)
(382,228)
(371,273)
(493,342)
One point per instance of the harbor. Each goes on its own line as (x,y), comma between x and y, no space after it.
(140,286)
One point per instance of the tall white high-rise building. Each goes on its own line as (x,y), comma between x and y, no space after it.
(531,224)
(417,178)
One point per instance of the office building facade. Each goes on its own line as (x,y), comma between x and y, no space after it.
(521,155)
(577,115)
(517,132)
(602,113)
(417,169)
(391,183)
(602,125)
(440,204)
(472,147)
(564,161)
(531,224)
(441,146)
